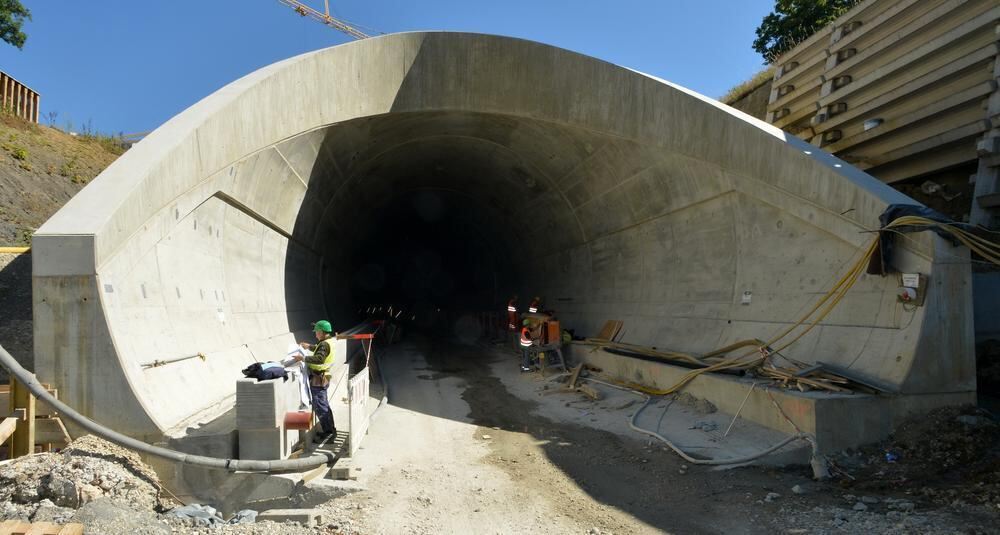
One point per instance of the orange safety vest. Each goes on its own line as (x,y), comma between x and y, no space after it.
(525,337)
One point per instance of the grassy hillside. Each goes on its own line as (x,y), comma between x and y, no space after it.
(40,169)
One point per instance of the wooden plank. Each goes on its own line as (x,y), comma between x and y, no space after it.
(858,378)
(806,371)
(46,386)
(610,329)
(7,428)
(41,408)
(43,528)
(71,529)
(589,391)
(23,440)
(50,431)
(575,375)
(12,527)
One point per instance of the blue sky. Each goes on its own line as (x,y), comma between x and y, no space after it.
(129,65)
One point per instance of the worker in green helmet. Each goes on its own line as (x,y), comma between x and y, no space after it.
(319,364)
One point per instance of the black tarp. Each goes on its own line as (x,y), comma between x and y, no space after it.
(881,261)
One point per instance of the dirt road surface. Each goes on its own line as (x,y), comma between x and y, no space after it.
(455,452)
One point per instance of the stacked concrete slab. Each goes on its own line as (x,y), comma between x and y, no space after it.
(229,228)
(260,418)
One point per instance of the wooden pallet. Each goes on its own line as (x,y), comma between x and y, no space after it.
(30,426)
(17,527)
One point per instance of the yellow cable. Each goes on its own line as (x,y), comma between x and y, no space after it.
(984,248)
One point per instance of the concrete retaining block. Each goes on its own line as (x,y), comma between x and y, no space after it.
(838,421)
(307,517)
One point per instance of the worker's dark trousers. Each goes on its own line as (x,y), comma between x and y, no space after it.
(322,408)
(525,357)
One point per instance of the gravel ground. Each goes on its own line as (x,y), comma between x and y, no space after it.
(579,477)
(111,491)
(463,450)
(88,470)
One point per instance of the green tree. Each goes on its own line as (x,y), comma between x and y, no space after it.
(12,16)
(793,21)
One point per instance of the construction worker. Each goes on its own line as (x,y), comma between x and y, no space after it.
(526,343)
(512,318)
(535,306)
(319,364)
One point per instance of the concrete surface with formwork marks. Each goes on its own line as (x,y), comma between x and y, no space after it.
(270,204)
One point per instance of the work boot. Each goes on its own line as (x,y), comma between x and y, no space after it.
(525,369)
(322,437)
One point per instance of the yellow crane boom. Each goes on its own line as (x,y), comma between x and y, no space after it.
(325,18)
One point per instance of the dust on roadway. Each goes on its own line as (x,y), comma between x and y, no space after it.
(634,476)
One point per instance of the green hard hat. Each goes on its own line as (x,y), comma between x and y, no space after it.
(526,323)
(323,325)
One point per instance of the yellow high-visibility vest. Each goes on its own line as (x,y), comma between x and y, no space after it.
(325,366)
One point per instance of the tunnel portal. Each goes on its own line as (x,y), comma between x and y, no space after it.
(448,170)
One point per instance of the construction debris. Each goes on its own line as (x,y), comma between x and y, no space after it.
(764,363)
(932,454)
(206,516)
(89,469)
(573,384)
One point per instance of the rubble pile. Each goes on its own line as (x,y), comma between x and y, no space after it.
(111,491)
(950,456)
(54,485)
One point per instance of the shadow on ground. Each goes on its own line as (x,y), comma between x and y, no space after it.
(633,476)
(15,309)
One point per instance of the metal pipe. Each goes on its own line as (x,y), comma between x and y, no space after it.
(158,363)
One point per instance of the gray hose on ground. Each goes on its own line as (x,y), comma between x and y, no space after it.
(281,465)
(817,462)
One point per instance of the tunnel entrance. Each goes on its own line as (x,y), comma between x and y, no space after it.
(440,213)
(454,169)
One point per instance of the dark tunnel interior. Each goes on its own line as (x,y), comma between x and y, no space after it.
(441,214)
(430,252)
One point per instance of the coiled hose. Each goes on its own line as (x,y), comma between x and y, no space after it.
(817,461)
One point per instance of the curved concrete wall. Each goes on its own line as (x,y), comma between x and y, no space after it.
(617,195)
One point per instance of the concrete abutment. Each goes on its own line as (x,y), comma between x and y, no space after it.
(502,166)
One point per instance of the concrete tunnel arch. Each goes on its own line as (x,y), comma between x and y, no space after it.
(612,193)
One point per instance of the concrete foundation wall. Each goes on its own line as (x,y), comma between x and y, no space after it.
(237,222)
(837,421)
